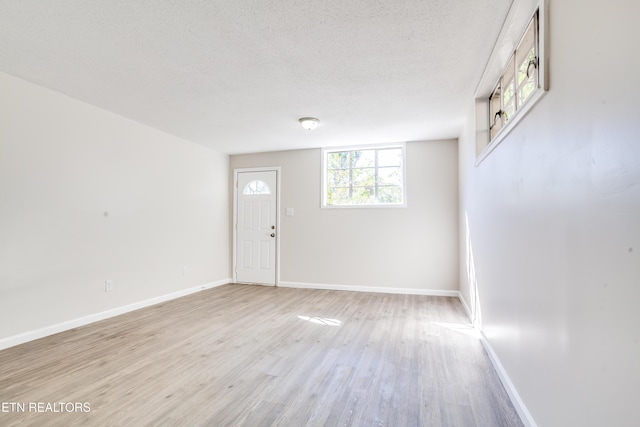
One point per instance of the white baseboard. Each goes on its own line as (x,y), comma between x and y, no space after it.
(382,290)
(82,321)
(521,408)
(517,402)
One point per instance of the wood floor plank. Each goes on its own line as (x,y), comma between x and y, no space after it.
(260,356)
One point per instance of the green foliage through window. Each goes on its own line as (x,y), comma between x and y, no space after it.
(372,176)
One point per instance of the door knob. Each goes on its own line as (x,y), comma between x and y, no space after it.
(273,234)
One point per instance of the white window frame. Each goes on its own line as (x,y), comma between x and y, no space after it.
(323,190)
(510,37)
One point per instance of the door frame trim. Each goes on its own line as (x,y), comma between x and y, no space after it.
(234,226)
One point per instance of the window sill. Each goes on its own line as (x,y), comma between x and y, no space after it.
(404,205)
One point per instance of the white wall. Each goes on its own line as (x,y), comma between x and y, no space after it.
(554,226)
(411,248)
(63,165)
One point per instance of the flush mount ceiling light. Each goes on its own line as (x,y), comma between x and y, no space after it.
(309,123)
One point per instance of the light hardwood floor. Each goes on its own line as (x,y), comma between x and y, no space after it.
(243,355)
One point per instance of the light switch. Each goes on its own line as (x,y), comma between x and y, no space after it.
(288,211)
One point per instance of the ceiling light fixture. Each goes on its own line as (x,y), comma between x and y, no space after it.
(309,123)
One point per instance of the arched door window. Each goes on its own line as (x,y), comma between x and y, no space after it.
(256,187)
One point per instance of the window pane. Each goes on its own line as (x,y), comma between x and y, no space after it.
(509,110)
(338,160)
(526,91)
(528,63)
(390,176)
(363,177)
(363,195)
(390,157)
(495,107)
(508,93)
(363,159)
(527,85)
(256,187)
(391,194)
(338,178)
(338,196)
(527,48)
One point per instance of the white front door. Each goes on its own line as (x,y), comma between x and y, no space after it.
(256,221)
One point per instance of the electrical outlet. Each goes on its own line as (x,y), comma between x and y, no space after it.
(185,271)
(108,285)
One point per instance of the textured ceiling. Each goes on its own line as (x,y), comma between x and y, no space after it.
(236,75)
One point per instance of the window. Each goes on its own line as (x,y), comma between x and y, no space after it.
(368,176)
(256,188)
(516,76)
(517,83)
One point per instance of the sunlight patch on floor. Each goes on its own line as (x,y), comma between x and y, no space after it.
(462,328)
(321,320)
